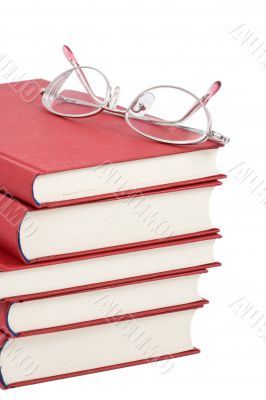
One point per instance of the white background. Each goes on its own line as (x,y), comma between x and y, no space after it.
(139,44)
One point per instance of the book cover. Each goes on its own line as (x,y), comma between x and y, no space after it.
(35,143)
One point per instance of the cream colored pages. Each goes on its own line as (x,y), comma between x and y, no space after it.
(111,178)
(102,269)
(106,303)
(97,225)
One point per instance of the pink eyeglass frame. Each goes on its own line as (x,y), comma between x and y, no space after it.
(110,106)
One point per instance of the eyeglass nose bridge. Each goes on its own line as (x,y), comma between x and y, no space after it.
(114,96)
(143,103)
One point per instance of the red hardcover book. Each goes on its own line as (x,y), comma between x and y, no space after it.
(130,222)
(165,334)
(30,315)
(9,263)
(46,160)
(108,269)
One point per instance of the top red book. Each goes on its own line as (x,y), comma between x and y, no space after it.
(46,160)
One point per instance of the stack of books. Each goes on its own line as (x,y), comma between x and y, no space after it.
(104,235)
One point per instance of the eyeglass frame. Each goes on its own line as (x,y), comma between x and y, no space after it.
(111,99)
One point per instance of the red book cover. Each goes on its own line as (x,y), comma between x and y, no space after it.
(34,142)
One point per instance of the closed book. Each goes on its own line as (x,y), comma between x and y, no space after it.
(106,269)
(46,160)
(35,234)
(22,317)
(148,337)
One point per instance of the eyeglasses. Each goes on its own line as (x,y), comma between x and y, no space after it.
(157,113)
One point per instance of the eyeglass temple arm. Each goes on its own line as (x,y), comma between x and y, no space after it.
(73,61)
(213,89)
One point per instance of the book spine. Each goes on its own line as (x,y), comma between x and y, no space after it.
(12,213)
(2,383)
(5,331)
(17,179)
(4,337)
(5,334)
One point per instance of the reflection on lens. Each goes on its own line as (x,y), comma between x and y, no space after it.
(171,116)
(78,92)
